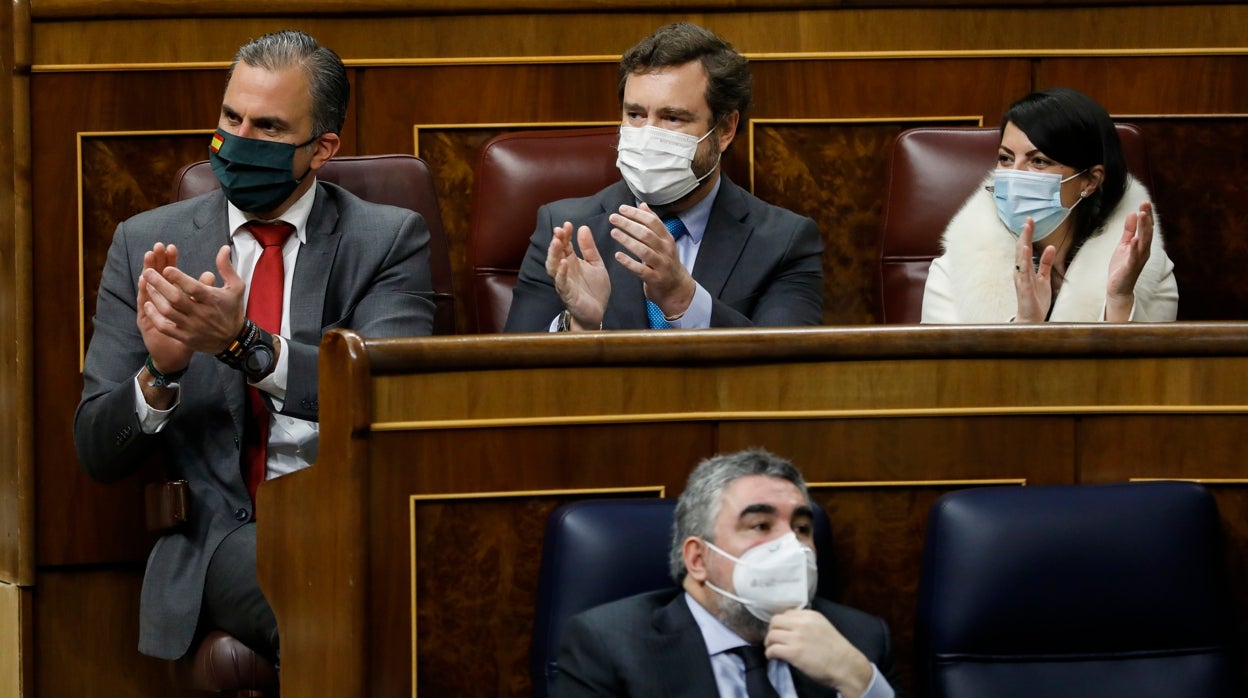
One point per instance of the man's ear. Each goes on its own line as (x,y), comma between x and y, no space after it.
(326,146)
(694,552)
(727,130)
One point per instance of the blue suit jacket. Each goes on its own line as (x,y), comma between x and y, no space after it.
(364,266)
(649,646)
(761,264)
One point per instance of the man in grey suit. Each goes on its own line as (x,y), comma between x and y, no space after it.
(745,622)
(674,244)
(218,372)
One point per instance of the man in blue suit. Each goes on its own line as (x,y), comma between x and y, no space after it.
(675,243)
(745,620)
(218,372)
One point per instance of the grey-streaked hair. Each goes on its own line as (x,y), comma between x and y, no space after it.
(700,503)
(327,76)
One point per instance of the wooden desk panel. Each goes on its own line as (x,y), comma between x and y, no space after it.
(441,457)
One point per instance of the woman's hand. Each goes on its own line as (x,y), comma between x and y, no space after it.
(1033,285)
(1127,262)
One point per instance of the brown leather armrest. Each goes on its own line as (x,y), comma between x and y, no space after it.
(168,505)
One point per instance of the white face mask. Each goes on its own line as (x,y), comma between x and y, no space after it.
(1020,194)
(658,163)
(771,577)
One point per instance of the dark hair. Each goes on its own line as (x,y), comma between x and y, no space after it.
(728,85)
(703,497)
(327,76)
(1073,129)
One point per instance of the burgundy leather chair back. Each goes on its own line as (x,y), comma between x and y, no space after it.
(516,174)
(932,172)
(396,180)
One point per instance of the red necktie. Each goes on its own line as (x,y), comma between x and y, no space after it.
(264,307)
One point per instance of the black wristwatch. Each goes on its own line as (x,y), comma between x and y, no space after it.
(251,352)
(258,359)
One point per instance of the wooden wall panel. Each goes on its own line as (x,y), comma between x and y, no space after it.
(86,638)
(64,106)
(836,173)
(17,442)
(1202,210)
(467,34)
(1113,449)
(529,471)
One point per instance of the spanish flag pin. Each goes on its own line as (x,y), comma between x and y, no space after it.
(217,142)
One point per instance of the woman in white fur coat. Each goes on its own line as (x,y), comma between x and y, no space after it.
(1059,232)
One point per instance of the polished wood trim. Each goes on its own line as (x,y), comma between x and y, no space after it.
(439,354)
(657,490)
(1201,480)
(784,415)
(1128,30)
(15,640)
(507,125)
(17,428)
(74,9)
(855,484)
(759,58)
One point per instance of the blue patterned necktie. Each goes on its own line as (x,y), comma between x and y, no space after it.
(653,312)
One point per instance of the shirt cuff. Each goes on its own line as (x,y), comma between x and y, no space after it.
(275,383)
(152,420)
(879,686)
(698,315)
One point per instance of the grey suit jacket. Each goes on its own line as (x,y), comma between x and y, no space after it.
(363,267)
(761,264)
(649,646)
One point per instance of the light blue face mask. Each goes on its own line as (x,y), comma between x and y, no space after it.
(1020,194)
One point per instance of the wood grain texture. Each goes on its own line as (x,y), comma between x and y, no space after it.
(16,639)
(86,628)
(161,38)
(876,473)
(17,442)
(1187,447)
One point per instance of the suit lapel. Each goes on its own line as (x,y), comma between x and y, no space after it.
(678,650)
(307,289)
(626,308)
(198,254)
(726,235)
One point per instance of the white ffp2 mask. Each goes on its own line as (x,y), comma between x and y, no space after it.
(657,163)
(771,577)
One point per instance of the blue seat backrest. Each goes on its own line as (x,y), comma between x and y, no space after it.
(1075,590)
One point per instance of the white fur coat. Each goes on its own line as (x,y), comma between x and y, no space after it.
(973,283)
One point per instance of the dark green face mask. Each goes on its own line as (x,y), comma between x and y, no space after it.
(256,175)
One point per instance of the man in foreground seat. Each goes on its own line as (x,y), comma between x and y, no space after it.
(745,621)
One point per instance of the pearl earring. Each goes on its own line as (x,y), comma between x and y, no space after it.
(1083,194)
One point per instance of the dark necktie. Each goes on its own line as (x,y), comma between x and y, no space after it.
(264,307)
(653,312)
(756,683)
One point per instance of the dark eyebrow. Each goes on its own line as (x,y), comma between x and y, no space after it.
(678,113)
(757,509)
(804,511)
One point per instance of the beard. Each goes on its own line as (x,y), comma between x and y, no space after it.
(705,159)
(739,620)
(733,613)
